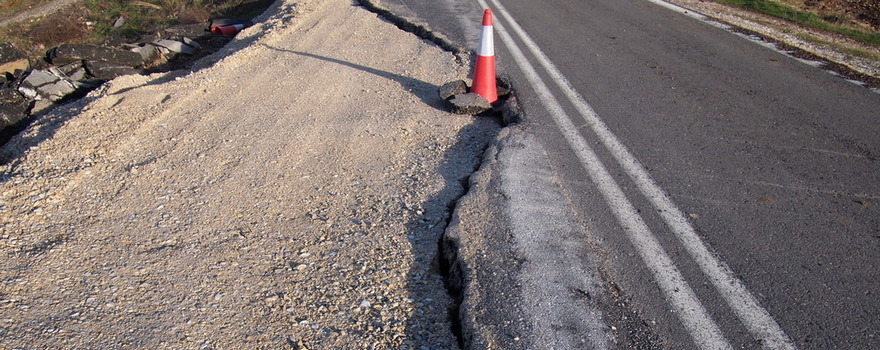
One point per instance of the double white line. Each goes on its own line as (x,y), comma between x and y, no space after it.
(691,312)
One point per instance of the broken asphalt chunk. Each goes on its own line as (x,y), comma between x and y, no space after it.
(108,71)
(469,103)
(70,53)
(452,88)
(503,87)
(13,107)
(74,71)
(12,60)
(149,53)
(174,46)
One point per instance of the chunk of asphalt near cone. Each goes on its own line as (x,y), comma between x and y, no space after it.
(451,89)
(484,69)
(469,103)
(229,30)
(503,87)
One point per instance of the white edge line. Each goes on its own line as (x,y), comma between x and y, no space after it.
(692,313)
(759,322)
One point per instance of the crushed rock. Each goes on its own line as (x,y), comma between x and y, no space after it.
(299,207)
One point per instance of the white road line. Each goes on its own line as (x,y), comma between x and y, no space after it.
(694,316)
(689,13)
(758,321)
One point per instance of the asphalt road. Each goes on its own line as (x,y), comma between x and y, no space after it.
(731,192)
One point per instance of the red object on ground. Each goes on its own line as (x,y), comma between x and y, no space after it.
(229,30)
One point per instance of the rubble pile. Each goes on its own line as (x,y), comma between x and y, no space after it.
(461,100)
(71,70)
(13,106)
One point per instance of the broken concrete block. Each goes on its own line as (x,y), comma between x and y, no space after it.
(174,46)
(149,53)
(39,78)
(69,53)
(51,84)
(469,103)
(108,71)
(452,88)
(13,107)
(12,60)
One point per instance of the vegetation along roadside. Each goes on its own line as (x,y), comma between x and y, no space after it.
(111,22)
(855,19)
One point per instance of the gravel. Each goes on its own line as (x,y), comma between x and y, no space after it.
(291,195)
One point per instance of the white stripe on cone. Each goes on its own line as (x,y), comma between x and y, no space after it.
(487,42)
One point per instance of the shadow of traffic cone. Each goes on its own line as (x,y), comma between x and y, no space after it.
(229,30)
(484,69)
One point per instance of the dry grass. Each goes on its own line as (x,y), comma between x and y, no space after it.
(142,17)
(11,7)
(59,28)
(36,37)
(863,12)
(849,18)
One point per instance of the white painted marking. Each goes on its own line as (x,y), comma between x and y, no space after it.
(751,314)
(686,12)
(693,315)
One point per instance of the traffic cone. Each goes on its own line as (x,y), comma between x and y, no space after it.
(484,70)
(229,30)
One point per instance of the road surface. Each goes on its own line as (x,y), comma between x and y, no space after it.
(723,194)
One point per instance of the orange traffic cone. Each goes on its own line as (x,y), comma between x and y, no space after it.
(484,70)
(229,30)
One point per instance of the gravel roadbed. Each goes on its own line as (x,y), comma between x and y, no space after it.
(291,195)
